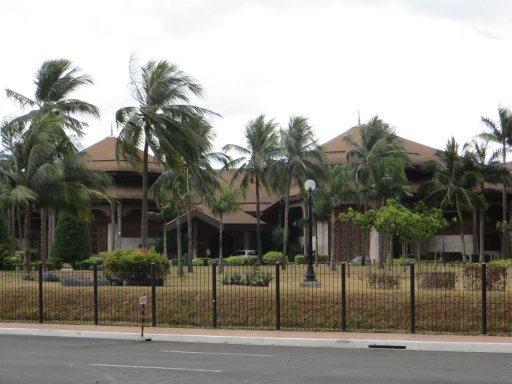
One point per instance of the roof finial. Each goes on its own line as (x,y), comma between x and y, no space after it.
(111,130)
(358,118)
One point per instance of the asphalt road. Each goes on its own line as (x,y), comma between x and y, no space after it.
(49,360)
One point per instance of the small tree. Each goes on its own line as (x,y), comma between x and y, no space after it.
(226,202)
(72,239)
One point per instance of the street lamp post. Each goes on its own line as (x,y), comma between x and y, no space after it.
(310,277)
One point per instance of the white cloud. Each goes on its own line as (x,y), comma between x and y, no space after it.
(429,68)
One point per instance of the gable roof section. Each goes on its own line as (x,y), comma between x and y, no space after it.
(103,158)
(202,213)
(336,149)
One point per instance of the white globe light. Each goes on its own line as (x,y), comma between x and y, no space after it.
(310,185)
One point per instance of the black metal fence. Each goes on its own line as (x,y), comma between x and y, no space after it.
(464,299)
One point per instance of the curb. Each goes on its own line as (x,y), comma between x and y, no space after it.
(432,346)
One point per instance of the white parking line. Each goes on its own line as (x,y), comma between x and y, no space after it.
(160,368)
(217,353)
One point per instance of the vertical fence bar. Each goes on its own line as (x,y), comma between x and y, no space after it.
(153,295)
(343,297)
(40,291)
(484,298)
(412,308)
(95,293)
(278,297)
(214,295)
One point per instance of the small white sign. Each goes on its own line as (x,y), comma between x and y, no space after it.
(143,300)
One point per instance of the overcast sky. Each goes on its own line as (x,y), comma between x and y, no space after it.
(430,68)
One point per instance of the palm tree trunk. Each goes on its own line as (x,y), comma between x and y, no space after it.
(464,256)
(190,248)
(165,240)
(190,243)
(178,241)
(44,235)
(475,231)
(144,214)
(286,226)
(27,231)
(221,227)
(258,219)
(504,218)
(481,224)
(332,243)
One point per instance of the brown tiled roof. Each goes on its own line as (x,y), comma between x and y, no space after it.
(103,158)
(336,149)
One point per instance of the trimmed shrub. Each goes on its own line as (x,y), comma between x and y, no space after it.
(89,262)
(199,261)
(383,281)
(72,239)
(273,257)
(235,260)
(496,277)
(255,278)
(403,261)
(11,262)
(322,259)
(431,280)
(134,266)
(300,259)
(447,257)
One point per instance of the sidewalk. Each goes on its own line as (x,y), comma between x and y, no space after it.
(415,342)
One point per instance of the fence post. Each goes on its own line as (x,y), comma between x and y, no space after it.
(343,298)
(214,294)
(153,295)
(40,292)
(95,292)
(484,298)
(278,297)
(412,308)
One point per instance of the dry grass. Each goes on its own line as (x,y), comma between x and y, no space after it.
(187,301)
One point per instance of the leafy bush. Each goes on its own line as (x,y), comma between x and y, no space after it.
(11,262)
(501,262)
(254,278)
(174,262)
(431,280)
(403,261)
(322,258)
(383,280)
(89,262)
(273,257)
(300,259)
(134,265)
(447,257)
(235,260)
(496,277)
(199,261)
(72,239)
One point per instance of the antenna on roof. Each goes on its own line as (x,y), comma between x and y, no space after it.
(358,118)
(111,130)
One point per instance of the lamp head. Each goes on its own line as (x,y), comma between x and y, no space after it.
(310,185)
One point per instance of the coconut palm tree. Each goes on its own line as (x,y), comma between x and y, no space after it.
(378,161)
(159,122)
(40,172)
(452,183)
(201,177)
(301,158)
(490,170)
(500,132)
(221,204)
(55,81)
(261,151)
